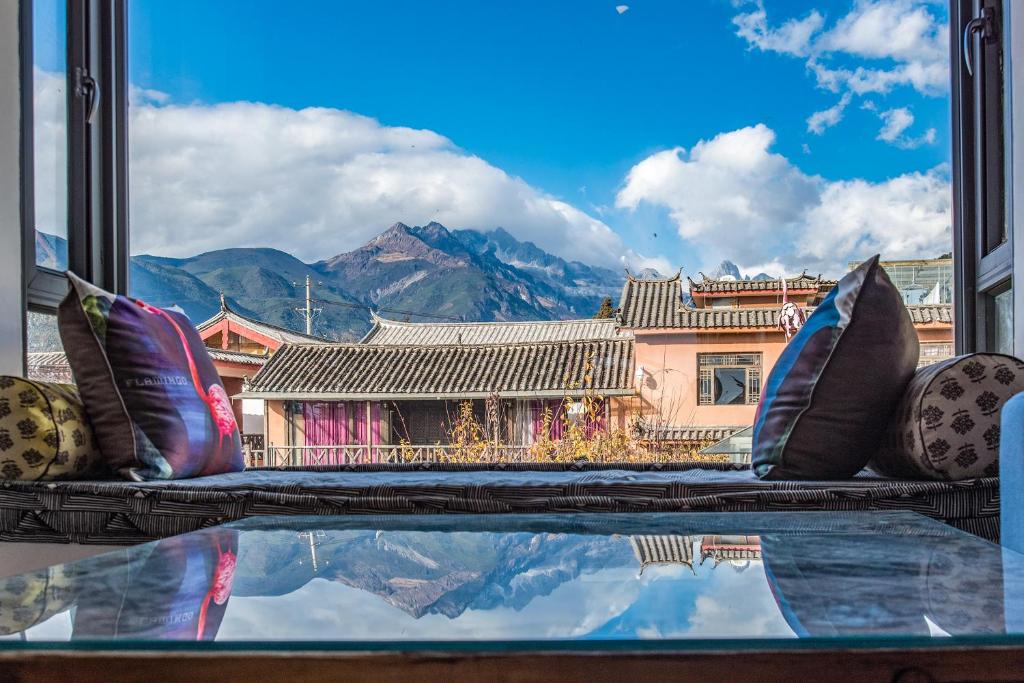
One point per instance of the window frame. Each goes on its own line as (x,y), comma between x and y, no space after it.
(97,153)
(982,209)
(751,377)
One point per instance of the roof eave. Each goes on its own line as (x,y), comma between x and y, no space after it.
(424,396)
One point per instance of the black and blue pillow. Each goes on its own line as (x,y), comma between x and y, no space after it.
(829,398)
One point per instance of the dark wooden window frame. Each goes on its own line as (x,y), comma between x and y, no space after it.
(97,178)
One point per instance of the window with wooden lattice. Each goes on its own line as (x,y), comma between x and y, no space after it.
(728,378)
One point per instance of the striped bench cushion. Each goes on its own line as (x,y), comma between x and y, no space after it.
(122,512)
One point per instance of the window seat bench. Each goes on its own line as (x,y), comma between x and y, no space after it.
(124,512)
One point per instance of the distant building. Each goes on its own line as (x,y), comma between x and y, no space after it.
(738,551)
(920,281)
(700,367)
(406,382)
(239,346)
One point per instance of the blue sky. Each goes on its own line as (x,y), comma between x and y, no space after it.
(569,98)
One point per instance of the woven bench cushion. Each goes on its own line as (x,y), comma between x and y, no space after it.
(125,512)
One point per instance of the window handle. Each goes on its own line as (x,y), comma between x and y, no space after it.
(986,26)
(88,87)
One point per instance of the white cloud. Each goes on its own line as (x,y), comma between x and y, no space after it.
(900,42)
(879,45)
(820,120)
(792,37)
(316,182)
(734,198)
(902,30)
(895,122)
(731,183)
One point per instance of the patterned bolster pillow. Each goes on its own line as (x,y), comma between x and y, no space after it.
(947,424)
(44,432)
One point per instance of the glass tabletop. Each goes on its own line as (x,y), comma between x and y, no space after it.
(576,581)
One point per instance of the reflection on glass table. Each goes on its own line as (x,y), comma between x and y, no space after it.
(548,580)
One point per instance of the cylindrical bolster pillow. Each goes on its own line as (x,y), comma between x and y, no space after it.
(44,433)
(947,424)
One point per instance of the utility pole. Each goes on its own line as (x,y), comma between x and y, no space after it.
(308,311)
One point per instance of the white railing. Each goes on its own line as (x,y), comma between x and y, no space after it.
(277,456)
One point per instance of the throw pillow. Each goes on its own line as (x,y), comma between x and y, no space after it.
(155,400)
(947,425)
(829,397)
(44,432)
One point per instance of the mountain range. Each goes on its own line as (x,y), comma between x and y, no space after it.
(413,273)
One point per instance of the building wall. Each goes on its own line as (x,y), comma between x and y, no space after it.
(669,389)
(770,300)
(670,386)
(277,424)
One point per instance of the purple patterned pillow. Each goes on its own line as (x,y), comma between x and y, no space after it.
(156,403)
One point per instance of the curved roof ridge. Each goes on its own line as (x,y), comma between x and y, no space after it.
(451,323)
(633,278)
(626,336)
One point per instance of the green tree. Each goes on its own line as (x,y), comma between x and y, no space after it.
(606,310)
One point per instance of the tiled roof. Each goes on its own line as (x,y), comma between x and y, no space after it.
(49,366)
(650,302)
(281,334)
(654,304)
(363,371)
(695,433)
(922,314)
(662,549)
(393,333)
(237,357)
(803,281)
(719,318)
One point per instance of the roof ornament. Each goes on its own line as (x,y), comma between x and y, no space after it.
(791,316)
(223,303)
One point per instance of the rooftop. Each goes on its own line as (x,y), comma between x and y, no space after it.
(394,333)
(276,332)
(658,304)
(802,282)
(365,371)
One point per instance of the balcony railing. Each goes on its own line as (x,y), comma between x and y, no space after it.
(280,456)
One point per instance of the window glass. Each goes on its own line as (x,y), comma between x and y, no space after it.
(1003,322)
(46,359)
(49,74)
(546,240)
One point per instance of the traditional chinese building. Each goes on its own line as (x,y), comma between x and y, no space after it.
(406,383)
(663,549)
(738,551)
(239,346)
(701,359)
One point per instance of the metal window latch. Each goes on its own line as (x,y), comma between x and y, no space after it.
(986,26)
(86,86)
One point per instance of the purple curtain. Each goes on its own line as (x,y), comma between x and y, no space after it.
(375,430)
(557,428)
(326,424)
